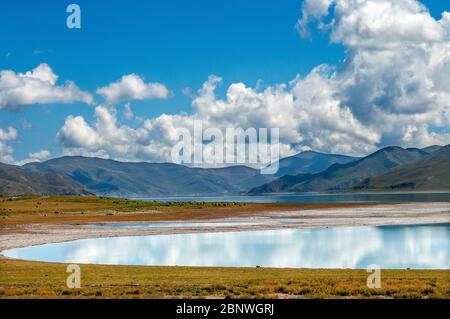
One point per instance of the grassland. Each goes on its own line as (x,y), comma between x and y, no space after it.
(76,209)
(24,279)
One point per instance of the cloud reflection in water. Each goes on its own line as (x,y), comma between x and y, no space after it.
(423,246)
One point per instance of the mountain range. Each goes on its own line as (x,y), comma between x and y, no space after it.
(390,168)
(113,178)
(428,173)
(387,168)
(16,180)
(310,162)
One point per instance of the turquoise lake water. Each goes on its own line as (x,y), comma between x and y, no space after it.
(396,247)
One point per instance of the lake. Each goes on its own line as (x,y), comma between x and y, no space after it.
(312,198)
(396,247)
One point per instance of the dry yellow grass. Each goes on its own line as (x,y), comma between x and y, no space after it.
(25,279)
(75,209)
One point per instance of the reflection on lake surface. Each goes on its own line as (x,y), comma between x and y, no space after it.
(423,246)
(313,198)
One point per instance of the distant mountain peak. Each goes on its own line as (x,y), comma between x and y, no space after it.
(430,172)
(432,148)
(115,178)
(310,162)
(391,167)
(16,180)
(341,176)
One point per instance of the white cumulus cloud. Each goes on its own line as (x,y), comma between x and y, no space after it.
(6,150)
(39,156)
(133,87)
(392,89)
(38,86)
(330,127)
(397,69)
(76,132)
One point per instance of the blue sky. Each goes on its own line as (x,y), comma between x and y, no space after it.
(174,42)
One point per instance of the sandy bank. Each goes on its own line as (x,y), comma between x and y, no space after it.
(21,235)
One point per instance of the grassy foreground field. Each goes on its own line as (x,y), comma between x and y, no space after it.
(24,279)
(79,209)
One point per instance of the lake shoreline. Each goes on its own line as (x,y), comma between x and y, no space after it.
(26,226)
(38,232)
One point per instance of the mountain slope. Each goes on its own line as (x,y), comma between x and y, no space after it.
(15,180)
(429,173)
(310,162)
(281,184)
(432,148)
(343,176)
(108,177)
